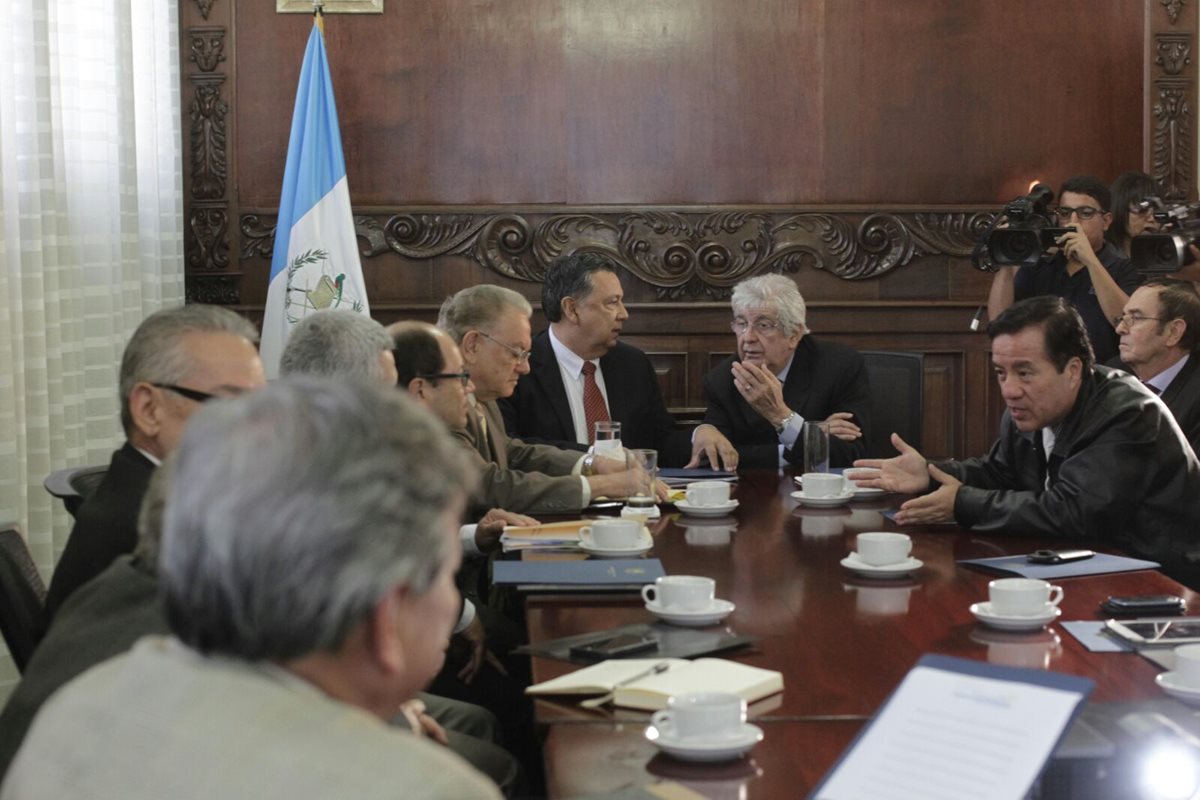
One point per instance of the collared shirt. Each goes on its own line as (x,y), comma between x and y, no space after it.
(1163,379)
(153,459)
(571,367)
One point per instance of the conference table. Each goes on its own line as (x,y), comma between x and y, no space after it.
(842,642)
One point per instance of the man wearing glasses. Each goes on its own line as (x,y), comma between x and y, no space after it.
(176,360)
(1087,271)
(780,378)
(1159,330)
(490,325)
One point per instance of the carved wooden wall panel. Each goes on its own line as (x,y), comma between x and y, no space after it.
(1173,99)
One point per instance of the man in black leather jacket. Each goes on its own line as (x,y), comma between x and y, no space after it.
(1119,471)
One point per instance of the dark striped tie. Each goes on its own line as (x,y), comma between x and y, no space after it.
(594,408)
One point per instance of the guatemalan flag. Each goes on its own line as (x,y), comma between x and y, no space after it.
(315,264)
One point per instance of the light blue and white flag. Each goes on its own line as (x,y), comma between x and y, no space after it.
(315,264)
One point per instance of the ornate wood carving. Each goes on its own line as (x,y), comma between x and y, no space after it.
(1174,52)
(1173,8)
(219,290)
(207,48)
(1173,137)
(207,116)
(208,226)
(682,254)
(205,7)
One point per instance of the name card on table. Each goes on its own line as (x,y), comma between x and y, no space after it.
(956,728)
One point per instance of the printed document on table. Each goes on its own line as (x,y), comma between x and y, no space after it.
(956,728)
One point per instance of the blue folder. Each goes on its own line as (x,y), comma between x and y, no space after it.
(1099,564)
(593,575)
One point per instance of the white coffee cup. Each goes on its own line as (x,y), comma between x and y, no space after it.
(1187,665)
(822,484)
(701,715)
(1022,597)
(708,493)
(681,592)
(879,549)
(612,533)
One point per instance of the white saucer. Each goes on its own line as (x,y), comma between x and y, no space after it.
(644,545)
(1168,683)
(824,502)
(1008,622)
(862,492)
(706,511)
(856,565)
(719,610)
(697,749)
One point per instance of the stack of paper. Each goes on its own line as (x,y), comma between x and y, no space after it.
(679,477)
(552,536)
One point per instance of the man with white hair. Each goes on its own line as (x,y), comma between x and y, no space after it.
(780,378)
(177,359)
(339,342)
(298,628)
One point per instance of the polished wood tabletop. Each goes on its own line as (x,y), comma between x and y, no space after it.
(842,642)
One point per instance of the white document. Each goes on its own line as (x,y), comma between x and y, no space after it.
(947,735)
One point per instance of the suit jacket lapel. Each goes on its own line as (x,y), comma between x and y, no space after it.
(1181,380)
(799,378)
(549,376)
(495,424)
(616,398)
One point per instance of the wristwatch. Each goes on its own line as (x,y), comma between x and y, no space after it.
(588,467)
(784,422)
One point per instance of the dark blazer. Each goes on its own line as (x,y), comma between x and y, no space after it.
(105,527)
(538,410)
(1182,396)
(824,378)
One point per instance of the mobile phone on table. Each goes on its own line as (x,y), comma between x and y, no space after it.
(1144,605)
(1058,556)
(617,647)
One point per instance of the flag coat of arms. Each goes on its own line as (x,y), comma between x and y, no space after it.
(315,264)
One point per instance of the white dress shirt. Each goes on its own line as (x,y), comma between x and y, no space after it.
(571,367)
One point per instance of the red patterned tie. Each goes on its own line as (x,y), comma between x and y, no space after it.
(594,408)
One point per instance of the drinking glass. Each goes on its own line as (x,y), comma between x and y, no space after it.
(644,467)
(607,439)
(816,447)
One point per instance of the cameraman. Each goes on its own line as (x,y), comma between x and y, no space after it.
(1091,274)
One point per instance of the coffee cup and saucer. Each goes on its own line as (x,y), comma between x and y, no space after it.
(882,555)
(707,499)
(703,726)
(615,538)
(1183,682)
(687,600)
(823,490)
(1019,604)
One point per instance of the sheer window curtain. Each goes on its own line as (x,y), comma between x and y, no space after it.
(91,214)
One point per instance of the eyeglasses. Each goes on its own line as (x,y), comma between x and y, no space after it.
(462,377)
(1141,208)
(1085,212)
(520,355)
(190,394)
(763,327)
(1132,318)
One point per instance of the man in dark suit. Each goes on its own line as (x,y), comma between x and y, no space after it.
(579,373)
(781,378)
(1159,328)
(176,359)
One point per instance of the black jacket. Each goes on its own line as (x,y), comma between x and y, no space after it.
(824,377)
(1120,473)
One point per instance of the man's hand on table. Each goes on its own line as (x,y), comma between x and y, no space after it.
(708,442)
(935,507)
(907,473)
(491,526)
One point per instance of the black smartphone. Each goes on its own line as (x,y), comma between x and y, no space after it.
(1145,605)
(1058,556)
(616,647)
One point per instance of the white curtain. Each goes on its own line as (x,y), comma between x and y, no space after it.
(91,215)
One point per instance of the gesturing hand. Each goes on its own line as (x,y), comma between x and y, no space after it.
(907,473)
(937,506)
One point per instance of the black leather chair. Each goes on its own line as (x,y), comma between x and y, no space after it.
(22,596)
(74,484)
(897,395)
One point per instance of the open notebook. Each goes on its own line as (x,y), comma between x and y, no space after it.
(653,691)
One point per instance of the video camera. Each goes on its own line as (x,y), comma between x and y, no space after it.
(1028,235)
(1166,250)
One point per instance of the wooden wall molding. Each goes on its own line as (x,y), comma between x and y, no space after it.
(1171,101)
(682,253)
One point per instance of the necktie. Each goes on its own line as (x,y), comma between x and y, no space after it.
(594,408)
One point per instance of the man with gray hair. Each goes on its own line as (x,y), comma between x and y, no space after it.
(295,643)
(176,360)
(780,378)
(490,325)
(339,342)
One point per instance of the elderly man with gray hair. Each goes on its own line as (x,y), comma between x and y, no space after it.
(339,342)
(177,359)
(306,567)
(780,378)
(490,325)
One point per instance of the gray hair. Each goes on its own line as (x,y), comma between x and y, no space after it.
(155,352)
(293,510)
(477,307)
(335,342)
(772,291)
